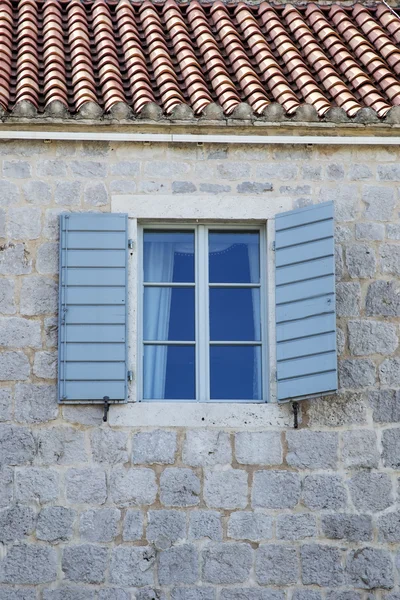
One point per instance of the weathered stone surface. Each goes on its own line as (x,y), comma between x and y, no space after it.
(390,259)
(226,489)
(85,563)
(386,403)
(348,299)
(254,187)
(7,486)
(324,492)
(339,410)
(35,403)
(214,188)
(371,492)
(16,332)
(353,528)
(345,198)
(12,593)
(359,449)
(165,527)
(276,565)
(296,527)
(88,168)
(95,194)
(60,446)
(38,296)
(15,259)
(389,172)
(55,524)
(109,446)
(179,564)
(359,172)
(179,487)
(205,524)
(16,522)
(379,201)
(133,525)
(393,231)
(99,525)
(391,448)
(370,231)
(47,259)
(383,299)
(14,366)
(83,415)
(37,192)
(69,592)
(117,594)
(321,565)
(45,365)
(68,193)
(275,489)
(151,593)
(7,297)
(36,485)
(29,564)
(258,448)
(183,187)
(370,568)
(372,337)
(51,168)
(86,486)
(17,446)
(132,566)
(191,593)
(255,593)
(9,193)
(16,169)
(356,373)
(126,168)
(157,446)
(360,261)
(132,486)
(24,222)
(206,448)
(227,563)
(389,527)
(247,525)
(306,594)
(312,449)
(5,404)
(51,333)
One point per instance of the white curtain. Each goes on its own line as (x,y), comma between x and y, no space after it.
(158,266)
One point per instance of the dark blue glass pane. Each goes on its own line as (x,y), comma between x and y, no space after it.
(168,256)
(235,314)
(235,373)
(169,372)
(168,314)
(234,257)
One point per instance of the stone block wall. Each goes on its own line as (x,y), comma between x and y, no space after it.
(90,511)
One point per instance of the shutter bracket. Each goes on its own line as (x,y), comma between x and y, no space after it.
(130,375)
(106,408)
(130,244)
(295,406)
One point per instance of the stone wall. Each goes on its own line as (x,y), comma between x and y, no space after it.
(95,512)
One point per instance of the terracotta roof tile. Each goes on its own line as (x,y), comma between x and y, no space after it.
(69,53)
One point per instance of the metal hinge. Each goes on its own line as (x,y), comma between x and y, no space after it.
(130,375)
(273,246)
(130,244)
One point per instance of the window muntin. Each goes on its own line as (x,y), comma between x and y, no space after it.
(203,314)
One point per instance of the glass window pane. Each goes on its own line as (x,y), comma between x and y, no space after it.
(168,314)
(234,256)
(169,372)
(235,314)
(235,373)
(168,256)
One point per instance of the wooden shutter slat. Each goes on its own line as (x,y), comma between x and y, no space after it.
(93,308)
(305,303)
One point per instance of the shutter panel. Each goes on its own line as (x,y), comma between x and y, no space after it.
(305,303)
(92,318)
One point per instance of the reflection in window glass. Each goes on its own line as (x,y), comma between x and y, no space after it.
(168,256)
(235,372)
(235,314)
(169,372)
(234,257)
(168,313)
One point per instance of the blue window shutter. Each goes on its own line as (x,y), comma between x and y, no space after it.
(305,302)
(92,320)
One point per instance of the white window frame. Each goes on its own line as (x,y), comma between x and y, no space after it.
(202,341)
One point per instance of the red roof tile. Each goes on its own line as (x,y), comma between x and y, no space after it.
(193,54)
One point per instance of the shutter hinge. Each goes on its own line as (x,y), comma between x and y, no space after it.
(106,407)
(130,375)
(273,246)
(295,407)
(130,244)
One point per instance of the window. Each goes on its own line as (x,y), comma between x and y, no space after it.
(202,314)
